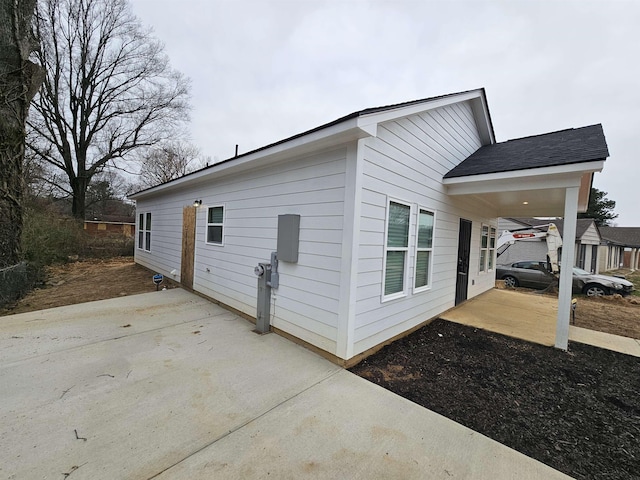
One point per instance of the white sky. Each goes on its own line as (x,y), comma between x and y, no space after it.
(264,70)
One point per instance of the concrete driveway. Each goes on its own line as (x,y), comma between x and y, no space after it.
(167,385)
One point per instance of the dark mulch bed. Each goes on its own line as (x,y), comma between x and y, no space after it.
(577,411)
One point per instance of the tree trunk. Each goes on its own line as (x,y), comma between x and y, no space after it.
(19,80)
(11,151)
(78,205)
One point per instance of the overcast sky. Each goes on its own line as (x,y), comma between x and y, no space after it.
(264,70)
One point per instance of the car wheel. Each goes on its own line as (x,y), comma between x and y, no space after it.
(510,282)
(595,290)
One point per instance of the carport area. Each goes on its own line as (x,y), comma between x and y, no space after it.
(531,317)
(168,385)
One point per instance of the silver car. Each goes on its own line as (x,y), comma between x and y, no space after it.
(536,275)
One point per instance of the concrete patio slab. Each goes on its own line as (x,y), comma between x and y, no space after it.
(168,385)
(518,315)
(347,427)
(629,346)
(532,318)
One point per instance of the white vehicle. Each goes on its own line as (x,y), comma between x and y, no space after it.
(552,236)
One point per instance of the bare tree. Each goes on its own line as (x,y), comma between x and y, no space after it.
(109,90)
(19,80)
(168,161)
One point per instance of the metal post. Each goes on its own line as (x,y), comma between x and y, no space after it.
(263,315)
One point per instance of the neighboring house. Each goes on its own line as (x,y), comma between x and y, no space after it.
(620,247)
(126,227)
(586,248)
(397,206)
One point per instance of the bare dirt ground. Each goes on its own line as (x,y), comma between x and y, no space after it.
(86,281)
(90,280)
(610,314)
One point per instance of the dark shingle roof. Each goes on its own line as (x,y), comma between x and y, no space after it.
(565,147)
(581,226)
(625,236)
(357,114)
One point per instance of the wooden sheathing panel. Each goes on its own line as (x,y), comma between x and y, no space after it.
(188,245)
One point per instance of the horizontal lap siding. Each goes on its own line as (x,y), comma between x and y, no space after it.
(306,302)
(406,161)
(590,236)
(166,234)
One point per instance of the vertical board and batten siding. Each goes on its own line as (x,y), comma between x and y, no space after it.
(306,302)
(611,257)
(589,238)
(406,162)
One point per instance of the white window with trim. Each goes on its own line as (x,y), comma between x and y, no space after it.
(215,225)
(396,250)
(144,231)
(424,249)
(487,248)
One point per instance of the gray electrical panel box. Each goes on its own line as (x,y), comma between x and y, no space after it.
(288,237)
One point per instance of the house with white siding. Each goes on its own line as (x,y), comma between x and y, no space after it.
(397,209)
(620,247)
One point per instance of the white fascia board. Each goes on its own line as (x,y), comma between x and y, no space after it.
(480,111)
(370,121)
(342,132)
(538,178)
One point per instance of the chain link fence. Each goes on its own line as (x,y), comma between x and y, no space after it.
(16,280)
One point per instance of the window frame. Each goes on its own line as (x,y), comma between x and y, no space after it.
(405,274)
(144,231)
(215,224)
(418,249)
(488,263)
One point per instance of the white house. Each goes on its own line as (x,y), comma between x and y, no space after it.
(620,247)
(397,206)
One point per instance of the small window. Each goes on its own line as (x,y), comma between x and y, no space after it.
(487,248)
(397,248)
(215,225)
(424,248)
(144,231)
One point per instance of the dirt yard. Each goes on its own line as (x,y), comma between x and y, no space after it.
(610,314)
(86,281)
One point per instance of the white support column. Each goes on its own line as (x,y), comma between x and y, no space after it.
(566,269)
(634,259)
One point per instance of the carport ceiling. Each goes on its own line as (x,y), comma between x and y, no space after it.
(534,193)
(529,176)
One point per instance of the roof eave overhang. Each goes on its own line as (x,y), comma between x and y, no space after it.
(477,99)
(342,131)
(562,175)
(530,181)
(331,136)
